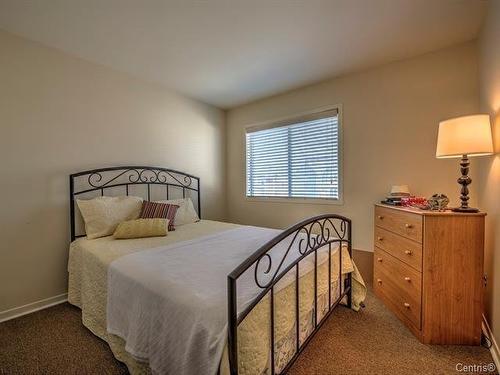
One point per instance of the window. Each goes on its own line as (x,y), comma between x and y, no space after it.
(298,158)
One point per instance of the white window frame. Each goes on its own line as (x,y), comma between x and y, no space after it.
(292,118)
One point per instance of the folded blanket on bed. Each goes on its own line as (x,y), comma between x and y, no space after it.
(170,304)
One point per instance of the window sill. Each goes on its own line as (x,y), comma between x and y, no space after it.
(320,201)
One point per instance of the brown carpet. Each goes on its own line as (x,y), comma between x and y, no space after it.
(373,341)
(54,341)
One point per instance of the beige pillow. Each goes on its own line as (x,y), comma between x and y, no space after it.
(140,228)
(103,214)
(186,213)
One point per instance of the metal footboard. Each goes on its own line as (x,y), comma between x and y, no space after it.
(274,260)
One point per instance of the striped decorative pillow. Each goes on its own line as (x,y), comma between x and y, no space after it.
(154,210)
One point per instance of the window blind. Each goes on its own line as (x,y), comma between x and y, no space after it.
(297,159)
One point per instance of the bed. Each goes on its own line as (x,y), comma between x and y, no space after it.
(210,297)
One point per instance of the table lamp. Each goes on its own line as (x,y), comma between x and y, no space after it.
(462,137)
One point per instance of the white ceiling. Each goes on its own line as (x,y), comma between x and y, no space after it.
(230,52)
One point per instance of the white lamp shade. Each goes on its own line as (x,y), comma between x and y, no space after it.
(467,135)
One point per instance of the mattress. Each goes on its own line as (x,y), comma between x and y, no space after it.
(88,265)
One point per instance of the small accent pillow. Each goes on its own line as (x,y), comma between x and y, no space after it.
(186,213)
(141,228)
(155,210)
(103,214)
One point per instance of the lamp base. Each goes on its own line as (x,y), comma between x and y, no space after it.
(464,180)
(465,210)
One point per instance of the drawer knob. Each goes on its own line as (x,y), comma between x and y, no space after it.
(407,305)
(408,226)
(380,238)
(408,252)
(407,279)
(379,260)
(380,217)
(379,281)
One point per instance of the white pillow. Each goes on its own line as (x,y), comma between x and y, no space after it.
(186,213)
(103,214)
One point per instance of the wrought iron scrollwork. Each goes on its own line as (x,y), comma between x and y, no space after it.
(135,175)
(293,245)
(308,237)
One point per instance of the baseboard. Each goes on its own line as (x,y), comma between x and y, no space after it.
(32,307)
(495,352)
(364,251)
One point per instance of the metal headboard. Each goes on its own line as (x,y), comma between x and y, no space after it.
(122,180)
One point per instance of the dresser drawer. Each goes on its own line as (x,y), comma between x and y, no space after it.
(399,285)
(406,250)
(407,224)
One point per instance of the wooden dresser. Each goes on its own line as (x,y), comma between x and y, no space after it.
(428,269)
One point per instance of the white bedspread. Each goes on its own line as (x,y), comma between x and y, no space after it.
(90,263)
(170,304)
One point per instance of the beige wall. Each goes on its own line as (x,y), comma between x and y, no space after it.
(58,115)
(390,119)
(489,194)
